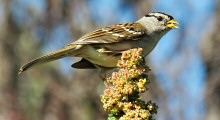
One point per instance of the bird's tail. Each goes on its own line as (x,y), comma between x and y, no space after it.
(65,52)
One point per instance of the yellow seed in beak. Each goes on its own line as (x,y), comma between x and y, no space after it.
(171,24)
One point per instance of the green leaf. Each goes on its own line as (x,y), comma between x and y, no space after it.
(112,117)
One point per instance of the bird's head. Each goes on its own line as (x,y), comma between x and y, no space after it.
(158,21)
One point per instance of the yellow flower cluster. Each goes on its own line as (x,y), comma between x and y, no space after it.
(122,99)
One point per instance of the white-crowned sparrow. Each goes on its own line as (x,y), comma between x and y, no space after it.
(102,48)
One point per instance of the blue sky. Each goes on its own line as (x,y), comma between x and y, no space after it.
(189,85)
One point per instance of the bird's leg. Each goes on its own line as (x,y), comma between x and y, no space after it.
(103,75)
(104,79)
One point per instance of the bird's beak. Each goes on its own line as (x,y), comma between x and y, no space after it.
(172,24)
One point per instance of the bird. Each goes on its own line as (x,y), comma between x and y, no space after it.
(102,48)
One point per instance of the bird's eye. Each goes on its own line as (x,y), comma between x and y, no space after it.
(160,18)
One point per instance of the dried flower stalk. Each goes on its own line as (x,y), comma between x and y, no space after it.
(122,98)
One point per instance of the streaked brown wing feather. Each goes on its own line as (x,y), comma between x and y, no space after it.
(114,33)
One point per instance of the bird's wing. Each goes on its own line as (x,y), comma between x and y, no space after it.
(114,33)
